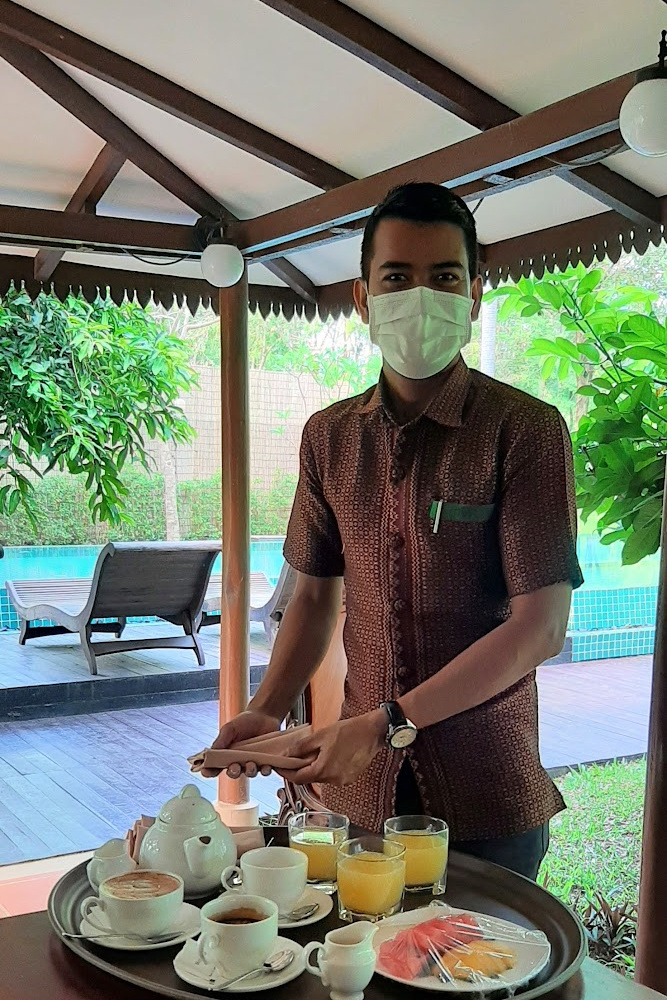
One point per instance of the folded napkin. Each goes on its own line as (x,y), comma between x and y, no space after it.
(265,751)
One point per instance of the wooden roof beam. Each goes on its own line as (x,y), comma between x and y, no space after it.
(61,88)
(23,25)
(86,197)
(293,278)
(386,52)
(485,187)
(546,132)
(616,192)
(74,98)
(73,231)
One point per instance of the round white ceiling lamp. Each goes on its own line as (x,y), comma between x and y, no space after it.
(222,264)
(643,117)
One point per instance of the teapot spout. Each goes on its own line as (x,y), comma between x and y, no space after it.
(198,851)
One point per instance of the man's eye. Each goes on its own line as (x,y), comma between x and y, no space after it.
(396,276)
(448,277)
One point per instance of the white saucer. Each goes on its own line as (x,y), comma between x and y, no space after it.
(187,925)
(311,895)
(196,973)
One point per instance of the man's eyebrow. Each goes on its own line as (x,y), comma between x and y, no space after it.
(440,266)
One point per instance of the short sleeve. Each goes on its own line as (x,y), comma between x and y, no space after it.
(538,515)
(313,545)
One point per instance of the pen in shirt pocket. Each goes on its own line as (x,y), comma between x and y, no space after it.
(434,515)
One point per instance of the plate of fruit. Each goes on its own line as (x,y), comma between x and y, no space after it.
(443,949)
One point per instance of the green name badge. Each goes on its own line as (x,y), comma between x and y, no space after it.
(468,513)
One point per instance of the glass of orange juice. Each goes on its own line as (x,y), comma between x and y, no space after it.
(371,878)
(426,843)
(319,835)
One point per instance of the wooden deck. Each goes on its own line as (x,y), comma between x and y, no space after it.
(69,784)
(59,659)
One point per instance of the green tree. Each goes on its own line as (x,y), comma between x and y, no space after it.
(81,388)
(615,348)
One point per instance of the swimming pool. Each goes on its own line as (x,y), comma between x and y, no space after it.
(613,614)
(76,561)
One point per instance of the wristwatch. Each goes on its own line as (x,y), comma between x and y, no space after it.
(401,732)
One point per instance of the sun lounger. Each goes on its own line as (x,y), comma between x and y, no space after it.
(131,579)
(267,603)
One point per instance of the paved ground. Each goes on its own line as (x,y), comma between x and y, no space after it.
(68,784)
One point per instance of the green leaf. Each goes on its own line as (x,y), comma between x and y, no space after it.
(658,358)
(590,352)
(550,293)
(641,543)
(587,390)
(589,282)
(548,368)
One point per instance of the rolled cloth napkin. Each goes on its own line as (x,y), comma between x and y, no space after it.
(265,751)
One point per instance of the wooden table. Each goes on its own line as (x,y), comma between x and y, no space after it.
(34,965)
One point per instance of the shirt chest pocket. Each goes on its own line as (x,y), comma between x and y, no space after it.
(441,514)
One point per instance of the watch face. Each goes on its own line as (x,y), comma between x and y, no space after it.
(402,737)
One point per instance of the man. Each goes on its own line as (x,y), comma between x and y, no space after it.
(445,501)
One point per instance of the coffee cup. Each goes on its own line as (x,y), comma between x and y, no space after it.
(238,933)
(277,873)
(141,902)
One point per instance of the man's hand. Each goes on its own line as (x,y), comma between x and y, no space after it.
(342,752)
(243,727)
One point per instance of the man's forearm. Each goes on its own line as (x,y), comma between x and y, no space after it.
(301,644)
(493,663)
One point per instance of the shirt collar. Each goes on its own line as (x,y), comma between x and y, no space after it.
(446,408)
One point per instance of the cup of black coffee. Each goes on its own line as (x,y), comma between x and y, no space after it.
(238,933)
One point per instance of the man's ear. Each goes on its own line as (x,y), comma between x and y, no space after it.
(360,295)
(476,290)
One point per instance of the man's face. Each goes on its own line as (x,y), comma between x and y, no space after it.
(409,254)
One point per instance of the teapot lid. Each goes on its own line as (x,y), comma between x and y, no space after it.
(188,808)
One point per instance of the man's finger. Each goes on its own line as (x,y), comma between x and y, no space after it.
(234,771)
(266,770)
(251,769)
(209,772)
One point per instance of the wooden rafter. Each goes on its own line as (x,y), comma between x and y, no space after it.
(74,98)
(549,131)
(86,197)
(293,278)
(32,29)
(363,38)
(60,87)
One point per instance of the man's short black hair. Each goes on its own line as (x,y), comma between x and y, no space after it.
(425,203)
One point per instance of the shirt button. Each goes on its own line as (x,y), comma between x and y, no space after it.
(399,604)
(397,541)
(397,473)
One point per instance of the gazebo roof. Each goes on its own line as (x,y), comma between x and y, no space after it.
(267,113)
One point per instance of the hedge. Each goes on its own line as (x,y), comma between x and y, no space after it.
(63,516)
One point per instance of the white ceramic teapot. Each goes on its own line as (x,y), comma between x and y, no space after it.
(189,839)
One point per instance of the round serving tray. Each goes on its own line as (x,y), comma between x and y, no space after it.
(471,885)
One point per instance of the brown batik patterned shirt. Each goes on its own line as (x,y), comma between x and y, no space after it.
(501,462)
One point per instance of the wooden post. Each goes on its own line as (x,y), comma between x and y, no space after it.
(233,799)
(652,935)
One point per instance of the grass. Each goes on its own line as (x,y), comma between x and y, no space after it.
(594,857)
(596,842)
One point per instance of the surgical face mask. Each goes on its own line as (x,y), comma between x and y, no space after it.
(419,330)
